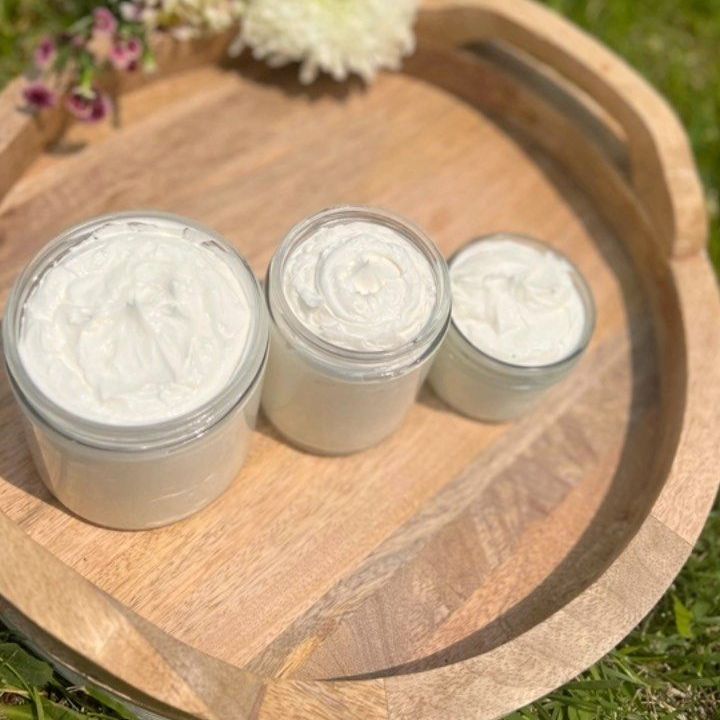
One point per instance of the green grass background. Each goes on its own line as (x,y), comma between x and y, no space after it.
(669,667)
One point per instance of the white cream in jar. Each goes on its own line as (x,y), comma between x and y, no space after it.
(136,325)
(522,315)
(516,302)
(360,302)
(360,285)
(136,345)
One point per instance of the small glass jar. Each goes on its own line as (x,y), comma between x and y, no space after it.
(486,388)
(329,399)
(144,475)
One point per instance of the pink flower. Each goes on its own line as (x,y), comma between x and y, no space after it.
(125,54)
(45,54)
(89,108)
(104,21)
(79,104)
(39,96)
(102,107)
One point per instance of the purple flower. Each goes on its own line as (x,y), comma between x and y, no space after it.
(89,107)
(101,108)
(38,96)
(104,21)
(125,54)
(79,104)
(45,53)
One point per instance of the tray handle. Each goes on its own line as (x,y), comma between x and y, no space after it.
(664,175)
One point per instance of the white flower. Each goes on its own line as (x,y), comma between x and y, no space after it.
(190,18)
(337,36)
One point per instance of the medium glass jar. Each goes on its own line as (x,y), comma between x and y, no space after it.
(331,399)
(487,388)
(134,476)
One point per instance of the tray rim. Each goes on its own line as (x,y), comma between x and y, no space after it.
(667,187)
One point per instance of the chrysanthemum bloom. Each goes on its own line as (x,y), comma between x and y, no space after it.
(336,36)
(39,96)
(45,54)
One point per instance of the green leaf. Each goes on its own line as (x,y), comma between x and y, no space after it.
(700,609)
(593,685)
(17,712)
(38,703)
(575,713)
(683,619)
(104,699)
(53,711)
(20,669)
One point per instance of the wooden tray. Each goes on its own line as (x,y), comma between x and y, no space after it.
(459,570)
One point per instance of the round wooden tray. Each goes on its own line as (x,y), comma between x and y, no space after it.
(458,570)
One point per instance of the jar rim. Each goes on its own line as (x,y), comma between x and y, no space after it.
(374,363)
(133,437)
(581,286)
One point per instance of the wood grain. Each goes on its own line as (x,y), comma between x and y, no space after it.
(457,570)
(274,541)
(664,174)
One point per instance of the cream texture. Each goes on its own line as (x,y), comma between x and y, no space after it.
(360,285)
(140,323)
(516,302)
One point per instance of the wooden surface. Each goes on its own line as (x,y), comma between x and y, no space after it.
(458,570)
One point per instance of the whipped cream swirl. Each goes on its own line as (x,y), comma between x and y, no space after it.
(139,323)
(360,285)
(517,302)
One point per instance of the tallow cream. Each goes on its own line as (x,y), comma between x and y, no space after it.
(140,323)
(360,286)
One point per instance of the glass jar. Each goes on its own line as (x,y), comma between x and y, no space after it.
(333,400)
(142,475)
(486,388)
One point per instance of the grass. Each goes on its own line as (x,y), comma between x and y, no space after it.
(669,666)
(676,45)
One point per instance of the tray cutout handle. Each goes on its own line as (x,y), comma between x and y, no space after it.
(664,175)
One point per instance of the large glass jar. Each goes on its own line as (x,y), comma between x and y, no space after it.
(139,475)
